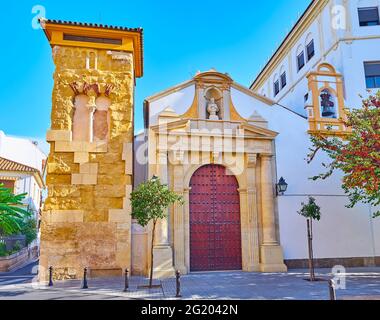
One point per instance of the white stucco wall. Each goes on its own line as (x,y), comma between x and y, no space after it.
(342,232)
(180,101)
(21,150)
(346,49)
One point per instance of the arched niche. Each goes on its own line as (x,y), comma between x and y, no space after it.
(101,119)
(82,119)
(309,38)
(214,103)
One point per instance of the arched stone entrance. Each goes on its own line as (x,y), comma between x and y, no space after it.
(215,226)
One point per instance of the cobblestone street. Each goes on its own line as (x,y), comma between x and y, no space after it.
(360,284)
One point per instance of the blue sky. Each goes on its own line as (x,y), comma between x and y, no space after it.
(180,38)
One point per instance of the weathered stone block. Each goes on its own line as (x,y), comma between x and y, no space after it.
(119,216)
(114,169)
(53,179)
(64,191)
(58,135)
(96,216)
(81,157)
(109,191)
(89,168)
(101,203)
(84,179)
(59,216)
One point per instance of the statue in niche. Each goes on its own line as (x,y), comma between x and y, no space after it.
(213,109)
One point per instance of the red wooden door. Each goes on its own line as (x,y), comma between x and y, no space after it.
(215,231)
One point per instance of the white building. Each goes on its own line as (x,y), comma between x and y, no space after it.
(330,57)
(22,166)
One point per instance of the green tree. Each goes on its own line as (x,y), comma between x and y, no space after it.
(28,228)
(357,155)
(311,211)
(150,202)
(11,213)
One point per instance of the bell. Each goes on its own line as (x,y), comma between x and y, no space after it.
(328,112)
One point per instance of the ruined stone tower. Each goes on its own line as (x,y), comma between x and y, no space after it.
(86,220)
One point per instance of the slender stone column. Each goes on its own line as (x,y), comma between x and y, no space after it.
(162,252)
(179,223)
(269,227)
(162,228)
(271,255)
(253,224)
(186,198)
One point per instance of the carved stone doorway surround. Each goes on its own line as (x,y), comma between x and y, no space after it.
(252,163)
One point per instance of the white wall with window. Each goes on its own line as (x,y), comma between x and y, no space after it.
(354,51)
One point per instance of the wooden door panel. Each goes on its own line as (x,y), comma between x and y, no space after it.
(215,236)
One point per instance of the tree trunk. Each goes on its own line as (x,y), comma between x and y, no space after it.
(310,245)
(151,255)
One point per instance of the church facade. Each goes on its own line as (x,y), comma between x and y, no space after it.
(222,146)
(224,166)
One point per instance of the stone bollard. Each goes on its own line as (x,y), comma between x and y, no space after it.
(332,290)
(178,284)
(85,285)
(50,276)
(126,284)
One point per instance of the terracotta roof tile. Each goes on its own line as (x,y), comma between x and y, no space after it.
(8,165)
(91,25)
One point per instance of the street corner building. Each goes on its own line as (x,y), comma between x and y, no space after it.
(86,220)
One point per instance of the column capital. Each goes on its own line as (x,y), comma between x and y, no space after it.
(252,160)
(266,156)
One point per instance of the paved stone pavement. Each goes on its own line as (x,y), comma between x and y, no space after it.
(360,284)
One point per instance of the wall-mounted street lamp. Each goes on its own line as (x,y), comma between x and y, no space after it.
(282,186)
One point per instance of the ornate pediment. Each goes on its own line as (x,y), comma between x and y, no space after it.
(180,125)
(258,132)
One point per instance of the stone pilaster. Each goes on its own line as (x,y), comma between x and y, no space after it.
(179,223)
(162,251)
(252,221)
(271,252)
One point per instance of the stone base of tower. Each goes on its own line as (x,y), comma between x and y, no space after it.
(272,259)
(69,247)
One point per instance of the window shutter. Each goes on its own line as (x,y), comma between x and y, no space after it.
(372,69)
(283,80)
(276,88)
(310,49)
(301,60)
(368,15)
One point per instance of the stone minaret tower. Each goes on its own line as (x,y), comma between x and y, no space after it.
(86,220)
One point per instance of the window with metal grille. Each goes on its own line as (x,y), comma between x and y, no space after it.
(283,80)
(369,16)
(310,50)
(71,37)
(372,74)
(276,88)
(300,61)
